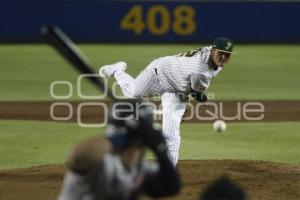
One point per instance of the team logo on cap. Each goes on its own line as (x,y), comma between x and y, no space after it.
(229,44)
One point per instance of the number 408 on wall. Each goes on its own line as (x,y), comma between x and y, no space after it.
(159,20)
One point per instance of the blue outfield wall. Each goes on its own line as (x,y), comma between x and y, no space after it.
(152,22)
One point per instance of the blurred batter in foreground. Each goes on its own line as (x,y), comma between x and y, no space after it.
(113,168)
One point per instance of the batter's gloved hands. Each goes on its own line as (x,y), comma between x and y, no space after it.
(155,140)
(151,135)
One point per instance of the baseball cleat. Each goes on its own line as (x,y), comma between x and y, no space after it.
(107,71)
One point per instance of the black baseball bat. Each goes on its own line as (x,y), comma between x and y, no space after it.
(67,48)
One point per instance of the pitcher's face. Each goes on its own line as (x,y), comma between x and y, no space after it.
(220,58)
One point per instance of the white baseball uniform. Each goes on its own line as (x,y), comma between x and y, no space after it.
(173,77)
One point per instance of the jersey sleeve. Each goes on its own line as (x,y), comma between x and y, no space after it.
(200,82)
(75,187)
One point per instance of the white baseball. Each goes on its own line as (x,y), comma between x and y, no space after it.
(219,125)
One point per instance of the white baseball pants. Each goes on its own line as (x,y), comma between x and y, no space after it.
(148,84)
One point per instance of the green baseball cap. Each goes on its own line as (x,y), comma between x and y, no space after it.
(223,44)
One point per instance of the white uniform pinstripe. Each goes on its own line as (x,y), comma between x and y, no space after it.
(147,83)
(171,76)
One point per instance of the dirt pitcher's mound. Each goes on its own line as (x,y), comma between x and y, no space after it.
(261,180)
(94,112)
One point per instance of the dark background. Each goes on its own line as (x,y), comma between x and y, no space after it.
(99,21)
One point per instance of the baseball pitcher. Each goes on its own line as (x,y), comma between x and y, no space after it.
(174,78)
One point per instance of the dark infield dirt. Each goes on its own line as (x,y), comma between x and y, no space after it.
(261,180)
(273,111)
